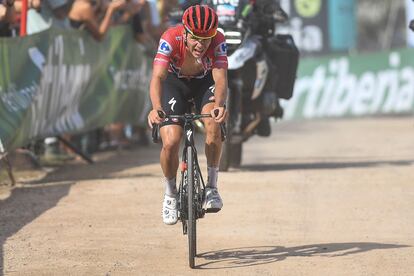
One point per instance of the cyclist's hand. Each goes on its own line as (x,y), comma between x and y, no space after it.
(154,118)
(219,114)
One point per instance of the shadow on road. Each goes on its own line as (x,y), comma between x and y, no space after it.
(23,206)
(104,169)
(250,256)
(29,201)
(26,203)
(324,165)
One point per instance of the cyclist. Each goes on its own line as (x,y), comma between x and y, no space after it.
(191,64)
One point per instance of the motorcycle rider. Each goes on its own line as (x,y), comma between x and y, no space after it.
(260,16)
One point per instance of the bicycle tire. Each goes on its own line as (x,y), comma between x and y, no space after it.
(191,225)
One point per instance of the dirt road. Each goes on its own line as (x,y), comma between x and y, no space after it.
(331,197)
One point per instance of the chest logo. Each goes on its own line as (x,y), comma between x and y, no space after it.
(221,49)
(164,48)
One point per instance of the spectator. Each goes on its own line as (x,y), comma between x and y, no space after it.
(86,14)
(144,28)
(133,14)
(138,14)
(166,8)
(131,8)
(7,13)
(151,20)
(42,14)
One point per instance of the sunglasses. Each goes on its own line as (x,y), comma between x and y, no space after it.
(198,38)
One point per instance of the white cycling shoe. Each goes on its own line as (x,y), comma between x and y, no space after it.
(212,202)
(169,210)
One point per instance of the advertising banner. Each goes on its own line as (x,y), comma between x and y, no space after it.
(360,85)
(63,81)
(342,25)
(308,24)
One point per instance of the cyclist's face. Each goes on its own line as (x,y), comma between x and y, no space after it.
(197,46)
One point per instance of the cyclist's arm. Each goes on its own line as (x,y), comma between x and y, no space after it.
(220,80)
(220,93)
(159,74)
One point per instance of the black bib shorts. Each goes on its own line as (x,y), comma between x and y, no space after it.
(179,93)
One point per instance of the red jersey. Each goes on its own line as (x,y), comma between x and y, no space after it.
(171,52)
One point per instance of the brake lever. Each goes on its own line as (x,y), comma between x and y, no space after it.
(161,114)
(216,112)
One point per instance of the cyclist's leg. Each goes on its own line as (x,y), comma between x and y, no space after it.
(213,138)
(173,103)
(171,137)
(213,201)
(205,102)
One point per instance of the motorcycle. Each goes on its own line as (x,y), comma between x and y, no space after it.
(262,69)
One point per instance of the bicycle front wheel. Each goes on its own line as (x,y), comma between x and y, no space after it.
(191,230)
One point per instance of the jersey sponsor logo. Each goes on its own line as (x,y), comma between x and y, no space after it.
(212,88)
(164,47)
(160,60)
(172,102)
(189,133)
(221,49)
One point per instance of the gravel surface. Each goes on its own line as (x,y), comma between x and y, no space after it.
(325,197)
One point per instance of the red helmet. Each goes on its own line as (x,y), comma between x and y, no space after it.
(201,21)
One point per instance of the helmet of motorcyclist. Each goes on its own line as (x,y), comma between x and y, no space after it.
(200,21)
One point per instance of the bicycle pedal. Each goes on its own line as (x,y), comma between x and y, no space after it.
(213,210)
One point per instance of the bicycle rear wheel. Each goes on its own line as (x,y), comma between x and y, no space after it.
(191,225)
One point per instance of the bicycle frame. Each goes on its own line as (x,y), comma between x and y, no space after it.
(199,186)
(192,187)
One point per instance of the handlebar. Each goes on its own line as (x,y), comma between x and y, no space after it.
(188,116)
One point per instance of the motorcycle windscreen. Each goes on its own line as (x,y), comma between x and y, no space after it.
(245,52)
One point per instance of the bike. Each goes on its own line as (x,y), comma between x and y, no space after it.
(191,191)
